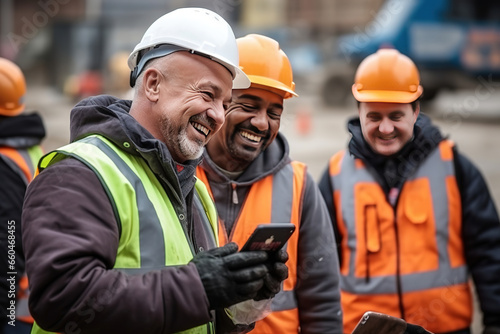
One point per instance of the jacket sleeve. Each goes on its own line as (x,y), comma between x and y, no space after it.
(481,235)
(12,257)
(326,189)
(317,289)
(71,240)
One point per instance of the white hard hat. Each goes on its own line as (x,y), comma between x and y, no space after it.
(197,30)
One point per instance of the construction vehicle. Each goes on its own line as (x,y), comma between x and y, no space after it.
(455,44)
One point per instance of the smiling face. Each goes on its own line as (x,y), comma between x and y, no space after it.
(387,127)
(252,123)
(187,96)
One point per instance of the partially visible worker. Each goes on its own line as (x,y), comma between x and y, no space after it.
(21,134)
(119,235)
(413,216)
(253,181)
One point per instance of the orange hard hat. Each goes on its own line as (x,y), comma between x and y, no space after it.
(12,88)
(266,65)
(387,76)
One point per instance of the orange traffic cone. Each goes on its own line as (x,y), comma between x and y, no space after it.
(303,122)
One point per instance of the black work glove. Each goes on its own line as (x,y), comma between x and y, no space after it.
(415,329)
(491,330)
(230,277)
(278,272)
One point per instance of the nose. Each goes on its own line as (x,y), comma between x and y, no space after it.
(386,126)
(217,113)
(260,120)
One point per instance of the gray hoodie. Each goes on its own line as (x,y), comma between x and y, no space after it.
(317,290)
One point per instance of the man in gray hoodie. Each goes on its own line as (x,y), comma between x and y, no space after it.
(253,181)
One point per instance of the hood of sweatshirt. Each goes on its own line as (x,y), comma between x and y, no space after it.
(109,117)
(21,131)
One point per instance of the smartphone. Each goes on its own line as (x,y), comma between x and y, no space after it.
(373,322)
(269,237)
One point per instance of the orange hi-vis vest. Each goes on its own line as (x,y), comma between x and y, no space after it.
(408,260)
(24,162)
(274,199)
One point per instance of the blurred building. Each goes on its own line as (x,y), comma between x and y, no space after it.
(306,29)
(58,41)
(329,17)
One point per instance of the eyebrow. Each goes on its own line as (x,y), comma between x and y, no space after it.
(396,113)
(392,113)
(257,99)
(250,97)
(215,88)
(212,86)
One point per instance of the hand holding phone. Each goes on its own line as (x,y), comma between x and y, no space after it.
(269,237)
(373,322)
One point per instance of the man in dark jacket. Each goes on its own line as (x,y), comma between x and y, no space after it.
(119,236)
(414,216)
(20,136)
(254,181)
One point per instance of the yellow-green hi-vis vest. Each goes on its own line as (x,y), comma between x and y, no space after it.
(152,236)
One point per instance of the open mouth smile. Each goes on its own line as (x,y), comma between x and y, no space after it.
(387,138)
(202,129)
(251,137)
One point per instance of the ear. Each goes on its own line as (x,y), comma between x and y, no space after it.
(151,83)
(417,111)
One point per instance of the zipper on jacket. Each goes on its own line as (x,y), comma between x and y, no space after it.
(235,194)
(181,209)
(371,232)
(398,259)
(235,216)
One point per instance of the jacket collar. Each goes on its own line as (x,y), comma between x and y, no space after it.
(109,116)
(21,131)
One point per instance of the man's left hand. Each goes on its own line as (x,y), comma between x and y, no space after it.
(278,272)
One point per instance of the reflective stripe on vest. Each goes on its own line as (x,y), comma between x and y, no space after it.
(427,255)
(23,162)
(274,199)
(152,236)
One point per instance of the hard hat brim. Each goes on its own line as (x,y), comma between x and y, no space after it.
(12,112)
(240,80)
(277,85)
(386,96)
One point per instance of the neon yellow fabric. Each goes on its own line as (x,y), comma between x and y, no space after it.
(123,197)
